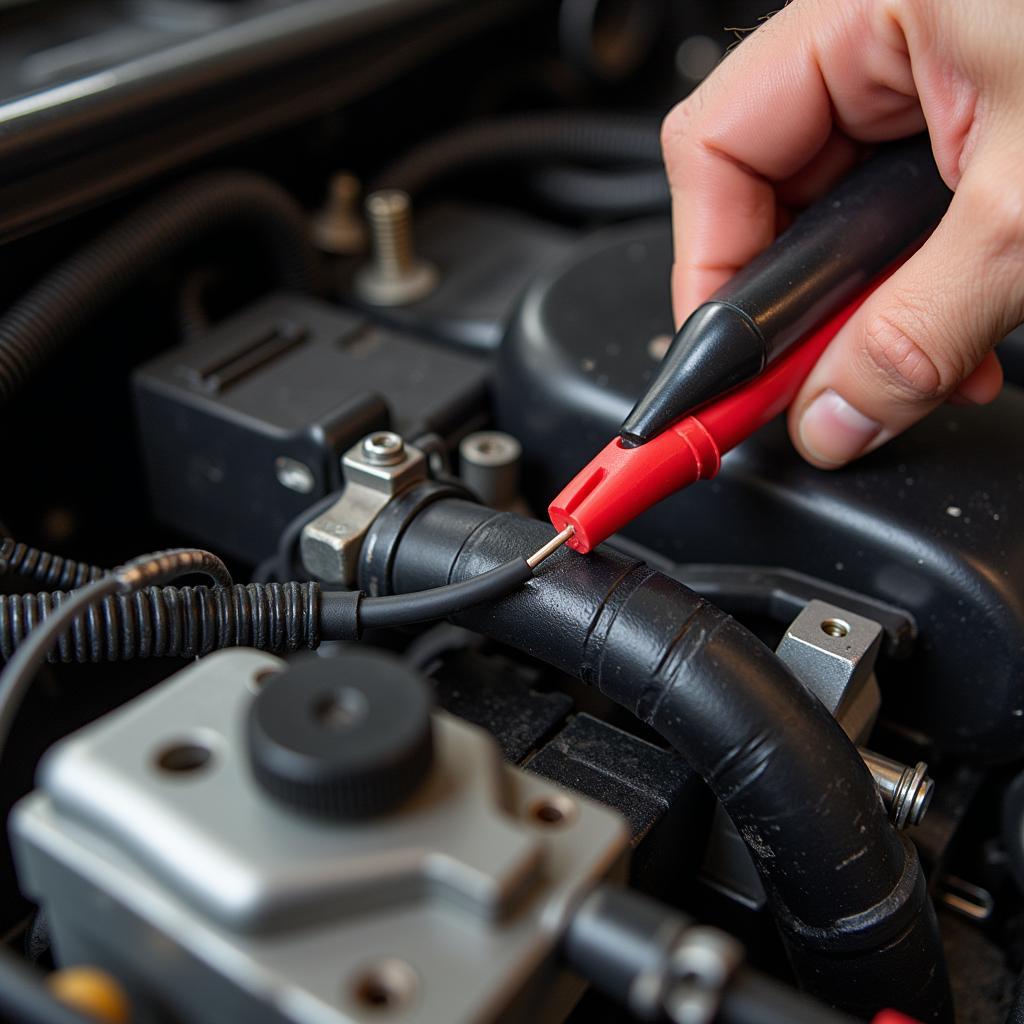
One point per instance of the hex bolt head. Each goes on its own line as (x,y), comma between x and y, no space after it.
(383,448)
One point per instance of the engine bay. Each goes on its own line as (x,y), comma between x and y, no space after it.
(321,304)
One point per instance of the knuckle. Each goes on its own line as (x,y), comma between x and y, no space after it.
(892,354)
(677,126)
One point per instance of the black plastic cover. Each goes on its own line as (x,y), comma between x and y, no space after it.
(242,430)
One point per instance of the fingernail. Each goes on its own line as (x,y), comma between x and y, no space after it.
(833,432)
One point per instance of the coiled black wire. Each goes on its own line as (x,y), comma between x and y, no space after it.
(62,303)
(591,192)
(43,569)
(171,622)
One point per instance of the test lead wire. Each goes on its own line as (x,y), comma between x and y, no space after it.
(551,547)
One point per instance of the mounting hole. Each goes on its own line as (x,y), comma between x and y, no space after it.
(184,757)
(386,985)
(835,627)
(552,810)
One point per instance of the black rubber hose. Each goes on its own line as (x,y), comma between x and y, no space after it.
(600,139)
(43,569)
(590,192)
(60,305)
(847,891)
(1016,1014)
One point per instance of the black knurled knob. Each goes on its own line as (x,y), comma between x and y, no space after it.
(343,738)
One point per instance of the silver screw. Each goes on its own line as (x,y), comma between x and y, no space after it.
(383,448)
(337,227)
(396,276)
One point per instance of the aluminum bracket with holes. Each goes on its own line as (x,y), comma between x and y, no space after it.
(158,858)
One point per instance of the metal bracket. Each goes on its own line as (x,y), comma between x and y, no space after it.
(375,470)
(832,652)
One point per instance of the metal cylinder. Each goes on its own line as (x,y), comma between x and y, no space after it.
(905,791)
(395,276)
(489,466)
(390,216)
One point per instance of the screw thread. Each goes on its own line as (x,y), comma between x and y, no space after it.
(390,216)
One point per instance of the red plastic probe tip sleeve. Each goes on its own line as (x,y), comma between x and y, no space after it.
(620,483)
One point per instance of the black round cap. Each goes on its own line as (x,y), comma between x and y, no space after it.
(343,738)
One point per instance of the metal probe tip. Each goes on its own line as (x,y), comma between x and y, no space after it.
(550,548)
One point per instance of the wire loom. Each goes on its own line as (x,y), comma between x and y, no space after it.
(45,569)
(169,622)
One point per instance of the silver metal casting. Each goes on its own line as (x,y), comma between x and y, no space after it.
(375,470)
(160,859)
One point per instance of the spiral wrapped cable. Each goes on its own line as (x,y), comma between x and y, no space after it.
(43,569)
(172,622)
(36,327)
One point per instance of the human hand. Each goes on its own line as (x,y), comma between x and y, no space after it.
(786,114)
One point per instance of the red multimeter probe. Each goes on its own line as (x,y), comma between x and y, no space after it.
(620,482)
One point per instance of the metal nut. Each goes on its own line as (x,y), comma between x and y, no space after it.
(385,448)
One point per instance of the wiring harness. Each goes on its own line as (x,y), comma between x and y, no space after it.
(188,622)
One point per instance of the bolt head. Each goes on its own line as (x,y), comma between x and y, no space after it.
(383,448)
(294,475)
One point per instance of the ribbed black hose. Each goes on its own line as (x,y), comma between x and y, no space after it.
(188,622)
(600,139)
(43,569)
(60,305)
(591,192)
(847,892)
(173,622)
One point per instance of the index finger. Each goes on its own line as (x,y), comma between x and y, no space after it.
(766,114)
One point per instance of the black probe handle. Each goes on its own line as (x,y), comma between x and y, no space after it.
(876,214)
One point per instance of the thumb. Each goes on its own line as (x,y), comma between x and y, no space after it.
(926,333)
